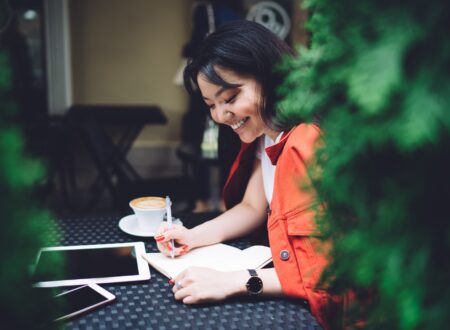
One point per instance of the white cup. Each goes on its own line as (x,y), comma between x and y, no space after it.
(149,211)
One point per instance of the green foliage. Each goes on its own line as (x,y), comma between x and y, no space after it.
(22,222)
(377,73)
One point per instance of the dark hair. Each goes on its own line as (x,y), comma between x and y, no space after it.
(246,48)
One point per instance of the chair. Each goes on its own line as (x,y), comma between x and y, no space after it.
(47,140)
(199,166)
(120,179)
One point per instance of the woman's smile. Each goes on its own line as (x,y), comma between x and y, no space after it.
(236,106)
(239,124)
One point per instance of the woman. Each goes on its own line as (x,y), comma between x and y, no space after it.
(234,70)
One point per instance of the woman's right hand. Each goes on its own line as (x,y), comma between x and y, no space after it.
(181,236)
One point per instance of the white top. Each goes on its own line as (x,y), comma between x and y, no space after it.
(268,170)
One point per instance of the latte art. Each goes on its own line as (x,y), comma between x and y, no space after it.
(149,203)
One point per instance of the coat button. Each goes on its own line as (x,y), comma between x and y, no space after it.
(306,304)
(284,255)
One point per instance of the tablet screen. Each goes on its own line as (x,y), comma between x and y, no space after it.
(89,262)
(82,299)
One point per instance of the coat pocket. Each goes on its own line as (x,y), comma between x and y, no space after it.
(310,250)
(301,223)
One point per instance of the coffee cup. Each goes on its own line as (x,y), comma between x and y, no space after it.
(149,211)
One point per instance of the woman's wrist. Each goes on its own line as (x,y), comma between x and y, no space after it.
(202,235)
(238,281)
(194,241)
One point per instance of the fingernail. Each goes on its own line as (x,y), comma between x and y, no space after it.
(184,248)
(182,252)
(159,238)
(171,281)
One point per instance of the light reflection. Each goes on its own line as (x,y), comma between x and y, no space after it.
(30,15)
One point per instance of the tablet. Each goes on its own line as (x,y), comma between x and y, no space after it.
(85,264)
(81,300)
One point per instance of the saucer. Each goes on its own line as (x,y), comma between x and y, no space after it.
(130,226)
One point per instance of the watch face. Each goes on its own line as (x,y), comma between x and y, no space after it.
(254,285)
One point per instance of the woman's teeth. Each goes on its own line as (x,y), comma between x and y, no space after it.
(239,123)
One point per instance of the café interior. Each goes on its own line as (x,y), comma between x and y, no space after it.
(104,119)
(94,114)
(100,104)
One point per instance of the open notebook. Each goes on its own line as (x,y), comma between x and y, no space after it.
(220,257)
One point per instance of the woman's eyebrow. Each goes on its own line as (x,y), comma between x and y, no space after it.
(225,88)
(219,92)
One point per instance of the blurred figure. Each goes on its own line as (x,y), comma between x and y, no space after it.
(21,41)
(14,42)
(197,127)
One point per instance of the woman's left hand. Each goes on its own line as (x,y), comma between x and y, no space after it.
(199,285)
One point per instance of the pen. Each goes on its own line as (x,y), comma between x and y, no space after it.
(169,224)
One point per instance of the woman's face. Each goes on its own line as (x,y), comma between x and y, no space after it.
(236,107)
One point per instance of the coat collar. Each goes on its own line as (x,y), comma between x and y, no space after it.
(274,151)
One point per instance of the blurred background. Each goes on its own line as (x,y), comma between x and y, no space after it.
(80,66)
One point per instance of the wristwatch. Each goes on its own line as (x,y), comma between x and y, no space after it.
(254,284)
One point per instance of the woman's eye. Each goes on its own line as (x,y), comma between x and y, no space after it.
(231,99)
(211,107)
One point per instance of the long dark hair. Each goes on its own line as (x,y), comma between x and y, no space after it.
(248,49)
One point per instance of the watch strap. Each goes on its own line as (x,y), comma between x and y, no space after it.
(252,272)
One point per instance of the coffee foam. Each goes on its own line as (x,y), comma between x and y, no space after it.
(149,203)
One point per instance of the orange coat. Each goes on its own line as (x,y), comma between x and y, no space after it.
(298,256)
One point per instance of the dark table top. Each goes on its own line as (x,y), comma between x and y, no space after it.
(151,305)
(119,114)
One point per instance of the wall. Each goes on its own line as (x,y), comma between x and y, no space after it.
(126,52)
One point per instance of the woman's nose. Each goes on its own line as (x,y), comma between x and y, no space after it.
(225,115)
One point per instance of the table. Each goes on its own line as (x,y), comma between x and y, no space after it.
(150,304)
(108,153)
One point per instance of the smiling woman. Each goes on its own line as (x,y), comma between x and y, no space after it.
(244,57)
(235,73)
(236,106)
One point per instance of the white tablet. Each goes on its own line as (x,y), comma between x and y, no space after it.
(81,300)
(85,264)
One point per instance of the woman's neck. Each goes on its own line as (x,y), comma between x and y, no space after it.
(272,134)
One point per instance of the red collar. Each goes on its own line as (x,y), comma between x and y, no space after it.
(274,151)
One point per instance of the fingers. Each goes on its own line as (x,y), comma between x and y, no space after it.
(166,247)
(184,288)
(179,282)
(179,251)
(184,293)
(161,229)
(189,300)
(181,291)
(166,234)
(199,285)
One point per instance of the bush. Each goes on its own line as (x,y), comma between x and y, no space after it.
(377,74)
(22,222)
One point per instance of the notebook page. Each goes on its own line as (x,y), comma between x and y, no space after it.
(254,257)
(218,256)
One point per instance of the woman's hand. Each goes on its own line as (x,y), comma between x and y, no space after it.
(199,285)
(181,236)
